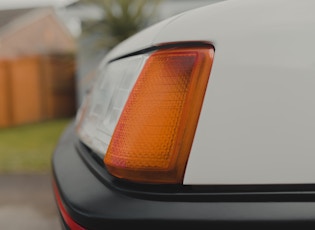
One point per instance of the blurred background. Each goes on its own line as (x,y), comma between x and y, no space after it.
(49,50)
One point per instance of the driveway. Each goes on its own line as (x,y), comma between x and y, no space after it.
(27,202)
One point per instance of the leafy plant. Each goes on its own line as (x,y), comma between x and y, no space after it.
(121,19)
(28,148)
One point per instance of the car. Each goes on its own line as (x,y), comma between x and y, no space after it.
(205,119)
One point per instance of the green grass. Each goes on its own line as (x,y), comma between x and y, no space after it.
(29,148)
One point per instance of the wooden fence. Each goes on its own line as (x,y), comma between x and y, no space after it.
(36,88)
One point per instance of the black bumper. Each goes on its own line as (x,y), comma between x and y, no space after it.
(95,204)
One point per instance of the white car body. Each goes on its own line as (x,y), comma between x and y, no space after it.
(251,163)
(257,121)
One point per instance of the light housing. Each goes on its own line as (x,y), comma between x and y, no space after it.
(154,134)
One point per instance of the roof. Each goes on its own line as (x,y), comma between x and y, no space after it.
(31,31)
(7,16)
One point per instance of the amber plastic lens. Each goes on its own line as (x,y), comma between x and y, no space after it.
(153,137)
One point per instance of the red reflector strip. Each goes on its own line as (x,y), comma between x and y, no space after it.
(66,217)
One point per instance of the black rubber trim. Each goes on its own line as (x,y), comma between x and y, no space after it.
(283,192)
(96,205)
(186,44)
(195,193)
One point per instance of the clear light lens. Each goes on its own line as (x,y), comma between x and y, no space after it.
(101,108)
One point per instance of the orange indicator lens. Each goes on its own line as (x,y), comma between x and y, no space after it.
(153,137)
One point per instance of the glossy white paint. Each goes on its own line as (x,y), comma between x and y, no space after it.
(257,124)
